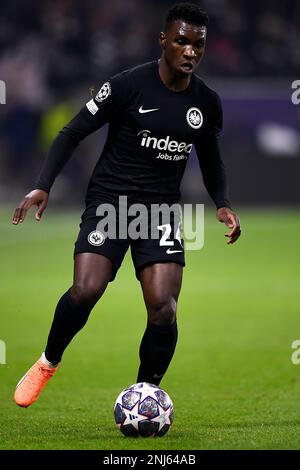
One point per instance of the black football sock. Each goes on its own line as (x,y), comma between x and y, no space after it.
(70,316)
(156,351)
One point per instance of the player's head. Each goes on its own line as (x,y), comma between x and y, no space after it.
(183,40)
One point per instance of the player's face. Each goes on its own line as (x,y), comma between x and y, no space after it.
(183,46)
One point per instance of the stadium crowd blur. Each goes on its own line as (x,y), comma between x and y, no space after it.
(55,52)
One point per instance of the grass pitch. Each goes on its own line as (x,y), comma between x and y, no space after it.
(231,380)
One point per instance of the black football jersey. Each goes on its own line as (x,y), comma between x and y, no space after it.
(151,133)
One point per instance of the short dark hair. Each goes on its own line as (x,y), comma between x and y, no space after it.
(188,12)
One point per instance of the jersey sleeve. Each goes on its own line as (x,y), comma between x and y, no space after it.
(208,153)
(108,104)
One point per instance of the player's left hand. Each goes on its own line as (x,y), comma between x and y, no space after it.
(229,218)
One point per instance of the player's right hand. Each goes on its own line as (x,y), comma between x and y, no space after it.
(38,198)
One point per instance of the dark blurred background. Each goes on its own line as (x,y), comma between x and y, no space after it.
(53,52)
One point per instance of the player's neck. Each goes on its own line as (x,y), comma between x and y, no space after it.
(170,79)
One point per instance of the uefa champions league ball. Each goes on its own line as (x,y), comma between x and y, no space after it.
(143,409)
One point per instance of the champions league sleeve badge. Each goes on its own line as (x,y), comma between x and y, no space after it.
(104,92)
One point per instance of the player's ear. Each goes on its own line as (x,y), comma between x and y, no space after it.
(162,40)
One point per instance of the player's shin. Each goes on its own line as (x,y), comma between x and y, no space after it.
(156,351)
(69,318)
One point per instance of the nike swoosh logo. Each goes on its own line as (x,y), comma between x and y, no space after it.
(142,111)
(155,376)
(169,251)
(23,378)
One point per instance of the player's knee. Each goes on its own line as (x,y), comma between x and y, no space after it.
(85,294)
(162,311)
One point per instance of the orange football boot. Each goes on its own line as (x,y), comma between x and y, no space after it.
(32,384)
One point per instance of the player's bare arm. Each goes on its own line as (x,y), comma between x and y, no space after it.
(231,220)
(38,198)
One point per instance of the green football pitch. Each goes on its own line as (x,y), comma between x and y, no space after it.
(232,380)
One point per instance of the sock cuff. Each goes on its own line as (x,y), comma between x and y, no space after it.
(162,328)
(46,362)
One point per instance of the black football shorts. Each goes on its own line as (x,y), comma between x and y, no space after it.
(158,242)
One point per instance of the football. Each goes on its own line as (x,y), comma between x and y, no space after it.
(143,409)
